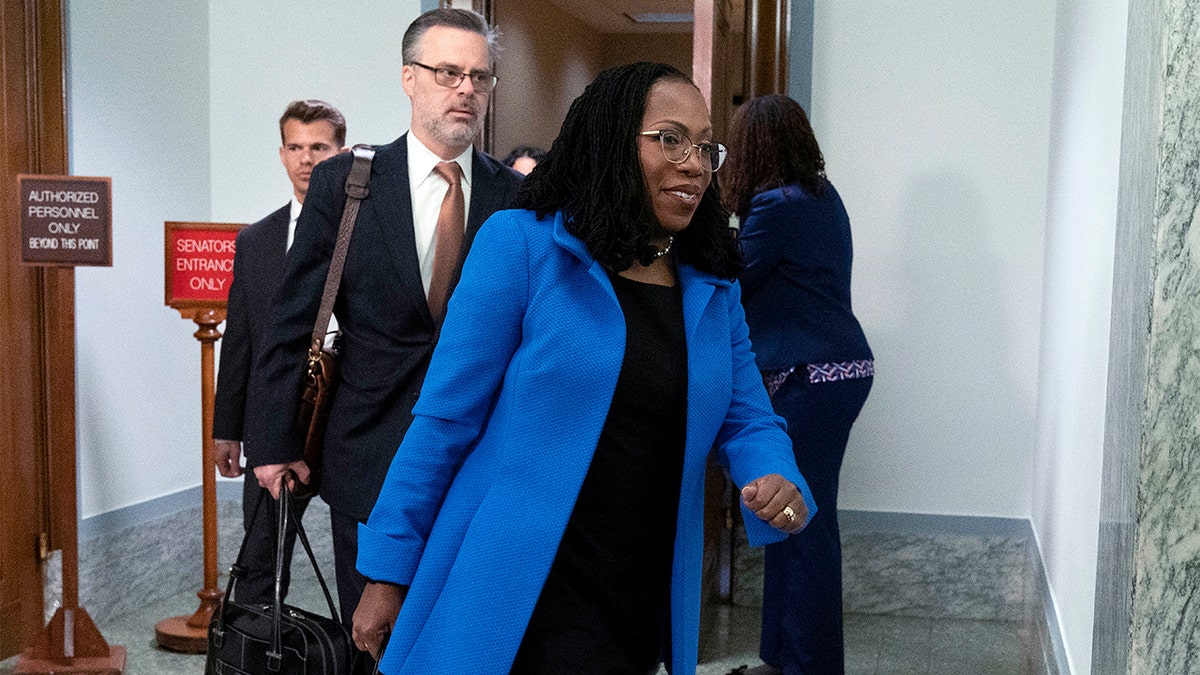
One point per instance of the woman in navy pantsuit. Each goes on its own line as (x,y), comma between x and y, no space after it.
(815,360)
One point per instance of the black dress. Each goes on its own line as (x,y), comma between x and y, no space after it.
(604,608)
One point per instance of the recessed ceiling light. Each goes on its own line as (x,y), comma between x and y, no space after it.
(661,17)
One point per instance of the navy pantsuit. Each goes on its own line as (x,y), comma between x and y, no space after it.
(802,576)
(796,291)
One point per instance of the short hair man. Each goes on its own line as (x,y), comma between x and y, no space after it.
(311,131)
(389,303)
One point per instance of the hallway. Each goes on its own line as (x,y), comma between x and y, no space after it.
(886,630)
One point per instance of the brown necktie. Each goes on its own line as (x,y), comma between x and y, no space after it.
(450,225)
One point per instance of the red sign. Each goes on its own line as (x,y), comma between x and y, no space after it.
(65,220)
(199,263)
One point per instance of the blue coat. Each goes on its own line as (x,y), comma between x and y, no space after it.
(479,493)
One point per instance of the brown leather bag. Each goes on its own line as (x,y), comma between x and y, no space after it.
(320,374)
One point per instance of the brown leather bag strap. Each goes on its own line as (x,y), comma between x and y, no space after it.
(357,189)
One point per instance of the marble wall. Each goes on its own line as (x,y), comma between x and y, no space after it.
(1128,338)
(1147,617)
(1166,615)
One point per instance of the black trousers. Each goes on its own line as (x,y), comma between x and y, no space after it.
(258,558)
(350,583)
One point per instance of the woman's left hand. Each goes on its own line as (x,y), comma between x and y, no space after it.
(776,500)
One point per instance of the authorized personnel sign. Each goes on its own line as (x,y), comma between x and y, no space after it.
(66,220)
(199,263)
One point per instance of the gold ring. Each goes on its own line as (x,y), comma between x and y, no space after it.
(791,515)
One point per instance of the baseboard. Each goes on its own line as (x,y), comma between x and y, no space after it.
(927,523)
(1054,650)
(153,509)
(140,554)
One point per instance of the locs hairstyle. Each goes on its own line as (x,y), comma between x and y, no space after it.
(593,174)
(772,145)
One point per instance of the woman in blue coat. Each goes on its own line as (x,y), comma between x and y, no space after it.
(544,511)
(815,360)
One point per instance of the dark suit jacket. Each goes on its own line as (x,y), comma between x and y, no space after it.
(257,271)
(387,331)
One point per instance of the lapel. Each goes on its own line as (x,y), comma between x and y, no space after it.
(576,247)
(275,239)
(697,287)
(489,194)
(390,205)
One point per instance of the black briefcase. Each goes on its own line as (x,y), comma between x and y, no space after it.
(263,639)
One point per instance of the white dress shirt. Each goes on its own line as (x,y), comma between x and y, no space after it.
(428,189)
(292,223)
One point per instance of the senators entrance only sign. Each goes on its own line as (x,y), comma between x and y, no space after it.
(199,264)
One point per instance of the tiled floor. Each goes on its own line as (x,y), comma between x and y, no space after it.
(881,644)
(875,643)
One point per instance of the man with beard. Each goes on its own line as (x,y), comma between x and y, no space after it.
(401,266)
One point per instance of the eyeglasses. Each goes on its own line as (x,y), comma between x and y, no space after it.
(676,148)
(452,77)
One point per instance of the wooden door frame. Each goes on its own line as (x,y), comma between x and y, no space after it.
(766,47)
(486,9)
(727,74)
(37,388)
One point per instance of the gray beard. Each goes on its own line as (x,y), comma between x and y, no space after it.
(454,135)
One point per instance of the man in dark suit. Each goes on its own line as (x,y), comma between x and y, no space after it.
(312,131)
(388,304)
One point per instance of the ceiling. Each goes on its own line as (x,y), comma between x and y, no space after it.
(609,16)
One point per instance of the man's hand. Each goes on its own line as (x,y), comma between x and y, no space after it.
(228,456)
(776,500)
(270,476)
(376,614)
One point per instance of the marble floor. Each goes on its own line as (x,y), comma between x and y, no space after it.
(876,642)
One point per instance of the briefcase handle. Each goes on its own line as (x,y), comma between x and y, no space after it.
(285,507)
(275,656)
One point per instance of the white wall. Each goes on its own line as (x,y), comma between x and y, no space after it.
(137,92)
(1080,237)
(179,103)
(267,53)
(933,116)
